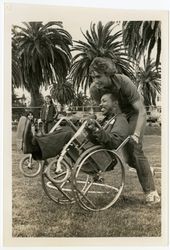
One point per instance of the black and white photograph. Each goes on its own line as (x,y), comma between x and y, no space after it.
(87,154)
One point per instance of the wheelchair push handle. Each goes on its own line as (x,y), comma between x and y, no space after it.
(123,143)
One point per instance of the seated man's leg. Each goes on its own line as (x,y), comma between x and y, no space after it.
(52,144)
(41,147)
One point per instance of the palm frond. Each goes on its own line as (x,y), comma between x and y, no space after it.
(142,36)
(101,41)
(38,46)
(149,77)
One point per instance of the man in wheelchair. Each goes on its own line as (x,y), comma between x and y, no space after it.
(112,133)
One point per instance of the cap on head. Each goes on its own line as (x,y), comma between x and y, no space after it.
(103,65)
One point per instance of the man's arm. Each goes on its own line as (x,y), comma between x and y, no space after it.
(136,100)
(114,136)
(141,119)
(108,140)
(55,112)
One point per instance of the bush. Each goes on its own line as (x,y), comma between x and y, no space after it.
(152,130)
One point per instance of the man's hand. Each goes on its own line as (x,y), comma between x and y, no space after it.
(135,138)
(91,125)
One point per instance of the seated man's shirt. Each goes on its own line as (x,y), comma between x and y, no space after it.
(113,134)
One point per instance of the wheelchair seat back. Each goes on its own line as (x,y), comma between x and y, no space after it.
(98,161)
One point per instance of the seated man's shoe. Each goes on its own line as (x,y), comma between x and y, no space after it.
(27,138)
(24,135)
(152,198)
(20,132)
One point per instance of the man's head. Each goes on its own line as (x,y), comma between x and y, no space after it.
(102,72)
(30,116)
(103,65)
(109,104)
(48,99)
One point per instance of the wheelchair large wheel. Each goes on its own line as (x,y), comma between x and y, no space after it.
(98,190)
(29,167)
(60,191)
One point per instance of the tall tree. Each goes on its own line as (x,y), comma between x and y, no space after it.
(42,50)
(80,99)
(142,36)
(16,67)
(101,41)
(62,92)
(148,79)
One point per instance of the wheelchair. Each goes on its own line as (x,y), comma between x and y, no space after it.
(85,173)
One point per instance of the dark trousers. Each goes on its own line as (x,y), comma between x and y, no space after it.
(138,160)
(50,145)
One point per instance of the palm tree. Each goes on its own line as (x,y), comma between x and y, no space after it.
(16,67)
(62,92)
(100,42)
(141,36)
(42,50)
(79,99)
(148,79)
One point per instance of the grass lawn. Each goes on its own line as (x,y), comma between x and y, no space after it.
(35,215)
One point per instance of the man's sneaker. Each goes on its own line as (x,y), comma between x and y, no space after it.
(24,135)
(152,198)
(20,132)
(27,138)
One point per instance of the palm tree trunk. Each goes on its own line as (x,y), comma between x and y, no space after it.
(36,102)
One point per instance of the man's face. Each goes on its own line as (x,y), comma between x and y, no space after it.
(107,105)
(48,100)
(30,116)
(101,80)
